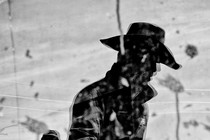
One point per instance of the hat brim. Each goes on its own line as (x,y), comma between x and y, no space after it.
(164,54)
(114,42)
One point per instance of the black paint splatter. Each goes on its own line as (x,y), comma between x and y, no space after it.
(6,48)
(36,95)
(189,105)
(191,51)
(2,100)
(154,114)
(191,123)
(172,83)
(84,80)
(28,54)
(34,125)
(177,31)
(31,83)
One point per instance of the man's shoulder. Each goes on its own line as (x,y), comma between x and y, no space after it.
(92,91)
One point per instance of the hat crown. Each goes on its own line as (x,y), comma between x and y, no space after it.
(147,29)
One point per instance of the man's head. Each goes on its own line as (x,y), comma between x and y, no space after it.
(144,49)
(139,62)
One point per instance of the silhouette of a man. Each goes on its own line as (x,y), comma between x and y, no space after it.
(115,107)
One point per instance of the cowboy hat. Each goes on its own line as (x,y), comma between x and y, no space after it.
(143,32)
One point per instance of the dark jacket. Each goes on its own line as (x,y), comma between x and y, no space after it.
(106,110)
